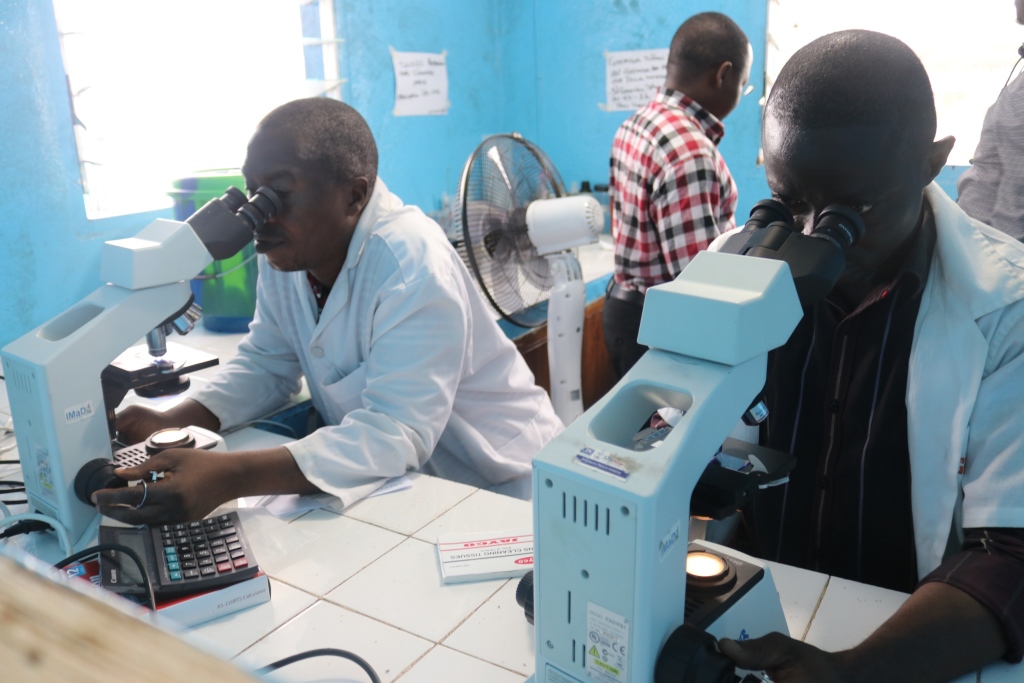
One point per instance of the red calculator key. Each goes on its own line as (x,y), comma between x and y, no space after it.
(241,563)
(224,567)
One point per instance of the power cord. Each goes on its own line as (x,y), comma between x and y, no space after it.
(62,533)
(323,652)
(116,547)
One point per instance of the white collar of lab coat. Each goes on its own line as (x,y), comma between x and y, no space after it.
(981,264)
(381,203)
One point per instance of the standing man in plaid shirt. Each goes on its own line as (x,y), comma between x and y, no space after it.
(670,191)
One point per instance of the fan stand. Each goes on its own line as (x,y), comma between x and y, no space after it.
(566,308)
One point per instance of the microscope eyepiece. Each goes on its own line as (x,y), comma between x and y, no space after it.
(234,198)
(226,224)
(768,211)
(263,205)
(840,225)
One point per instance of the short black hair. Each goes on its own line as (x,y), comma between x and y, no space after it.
(856,77)
(330,136)
(706,40)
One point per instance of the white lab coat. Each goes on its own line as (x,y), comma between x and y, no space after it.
(406,365)
(965,386)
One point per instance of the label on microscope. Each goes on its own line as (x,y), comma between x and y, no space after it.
(602,462)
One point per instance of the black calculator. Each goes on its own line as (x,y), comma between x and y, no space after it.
(180,559)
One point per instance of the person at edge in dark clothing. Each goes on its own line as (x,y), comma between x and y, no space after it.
(900,392)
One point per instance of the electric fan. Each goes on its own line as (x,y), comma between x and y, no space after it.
(518,233)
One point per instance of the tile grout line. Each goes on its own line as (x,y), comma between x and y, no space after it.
(814,613)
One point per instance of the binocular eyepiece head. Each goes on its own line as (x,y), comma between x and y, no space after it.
(255,210)
(227,223)
(840,225)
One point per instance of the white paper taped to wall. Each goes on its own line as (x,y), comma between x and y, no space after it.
(632,76)
(421,83)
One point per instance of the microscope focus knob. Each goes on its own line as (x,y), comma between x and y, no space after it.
(691,655)
(524,595)
(95,475)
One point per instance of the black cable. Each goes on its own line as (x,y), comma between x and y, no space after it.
(14,502)
(11,482)
(10,462)
(324,651)
(13,489)
(25,526)
(1011,72)
(117,547)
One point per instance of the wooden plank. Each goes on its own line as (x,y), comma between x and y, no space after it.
(51,633)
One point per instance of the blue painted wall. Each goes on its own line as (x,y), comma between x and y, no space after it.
(50,254)
(571,38)
(532,66)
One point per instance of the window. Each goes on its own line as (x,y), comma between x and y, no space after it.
(165,88)
(967,48)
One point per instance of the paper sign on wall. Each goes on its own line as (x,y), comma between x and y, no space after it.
(421,83)
(632,76)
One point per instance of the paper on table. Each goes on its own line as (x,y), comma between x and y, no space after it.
(290,505)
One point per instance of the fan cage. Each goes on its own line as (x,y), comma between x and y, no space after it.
(501,177)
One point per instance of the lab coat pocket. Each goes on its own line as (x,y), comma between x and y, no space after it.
(343,394)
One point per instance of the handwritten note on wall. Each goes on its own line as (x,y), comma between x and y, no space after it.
(421,83)
(632,76)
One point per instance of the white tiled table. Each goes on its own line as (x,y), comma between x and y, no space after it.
(367,581)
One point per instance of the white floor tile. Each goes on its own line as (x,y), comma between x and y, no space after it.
(404,589)
(482,511)
(317,552)
(442,665)
(388,650)
(800,591)
(235,632)
(849,613)
(498,632)
(408,511)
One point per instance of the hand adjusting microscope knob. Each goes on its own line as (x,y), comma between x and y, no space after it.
(95,475)
(691,655)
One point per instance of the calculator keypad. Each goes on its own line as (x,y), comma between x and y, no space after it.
(210,552)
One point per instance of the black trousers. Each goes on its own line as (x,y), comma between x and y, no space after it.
(621,323)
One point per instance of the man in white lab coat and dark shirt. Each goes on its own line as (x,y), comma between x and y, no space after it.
(367,300)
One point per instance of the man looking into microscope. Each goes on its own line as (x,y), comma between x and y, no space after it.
(366,298)
(899,393)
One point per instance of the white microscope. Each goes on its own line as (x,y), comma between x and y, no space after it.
(65,378)
(618,593)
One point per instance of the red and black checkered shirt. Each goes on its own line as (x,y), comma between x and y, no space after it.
(670,191)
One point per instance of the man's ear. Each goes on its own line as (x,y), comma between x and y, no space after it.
(720,74)
(359,189)
(938,153)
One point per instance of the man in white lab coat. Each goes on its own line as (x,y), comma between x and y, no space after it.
(366,298)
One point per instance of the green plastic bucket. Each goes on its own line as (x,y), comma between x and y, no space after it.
(226,289)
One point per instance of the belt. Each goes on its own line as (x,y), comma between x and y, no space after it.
(630,296)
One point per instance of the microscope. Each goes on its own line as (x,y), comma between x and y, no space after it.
(66,377)
(619,593)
